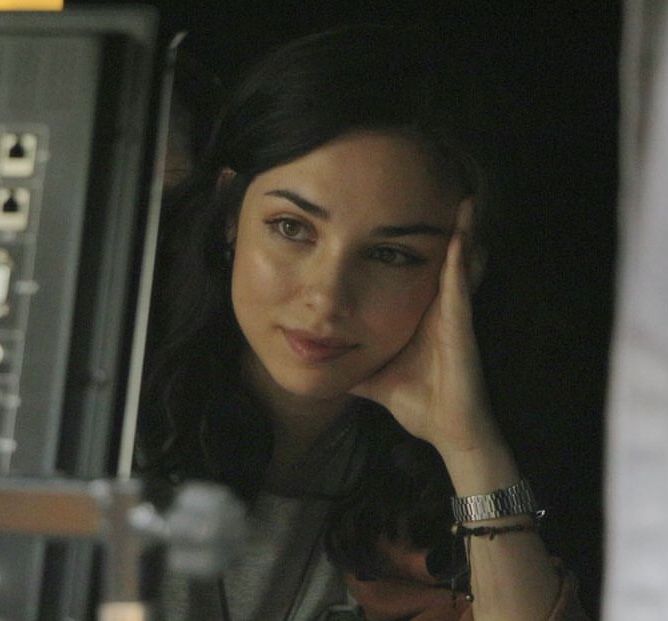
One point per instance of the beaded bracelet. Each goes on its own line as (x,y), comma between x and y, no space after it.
(460,531)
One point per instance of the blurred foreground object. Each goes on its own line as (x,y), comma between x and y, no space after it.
(203,530)
(636,584)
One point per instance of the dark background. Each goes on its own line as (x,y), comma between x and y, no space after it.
(545,307)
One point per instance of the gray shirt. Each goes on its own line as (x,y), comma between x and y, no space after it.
(284,573)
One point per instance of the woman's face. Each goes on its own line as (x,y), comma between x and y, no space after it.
(337,257)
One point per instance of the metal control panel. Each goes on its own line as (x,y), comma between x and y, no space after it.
(23,159)
(75,161)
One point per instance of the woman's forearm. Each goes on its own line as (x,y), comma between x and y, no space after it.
(512,576)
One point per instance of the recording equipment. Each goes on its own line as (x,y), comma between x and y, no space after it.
(79,97)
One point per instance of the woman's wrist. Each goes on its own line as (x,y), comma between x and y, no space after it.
(480,470)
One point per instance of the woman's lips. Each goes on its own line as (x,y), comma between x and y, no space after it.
(312,348)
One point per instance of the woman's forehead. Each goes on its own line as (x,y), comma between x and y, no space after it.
(387,172)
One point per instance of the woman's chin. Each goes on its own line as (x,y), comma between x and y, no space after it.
(315,387)
(321,391)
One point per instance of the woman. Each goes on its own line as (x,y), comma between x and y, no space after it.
(317,351)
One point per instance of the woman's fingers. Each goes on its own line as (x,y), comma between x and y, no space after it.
(456,312)
(440,364)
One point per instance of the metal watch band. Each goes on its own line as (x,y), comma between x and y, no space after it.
(515,500)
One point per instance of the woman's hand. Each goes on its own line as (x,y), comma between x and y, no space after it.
(434,386)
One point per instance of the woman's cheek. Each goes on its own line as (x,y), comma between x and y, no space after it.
(397,313)
(257,278)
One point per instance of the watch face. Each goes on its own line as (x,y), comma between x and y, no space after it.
(447,562)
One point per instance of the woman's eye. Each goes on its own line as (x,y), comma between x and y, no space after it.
(290,229)
(394,256)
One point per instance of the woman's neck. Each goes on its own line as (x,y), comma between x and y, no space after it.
(297,421)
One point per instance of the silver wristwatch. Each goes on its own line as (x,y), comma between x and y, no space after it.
(515,500)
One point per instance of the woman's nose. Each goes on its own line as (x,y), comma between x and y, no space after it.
(329,286)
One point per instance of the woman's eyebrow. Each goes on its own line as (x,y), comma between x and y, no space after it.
(301,202)
(418,228)
(411,229)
